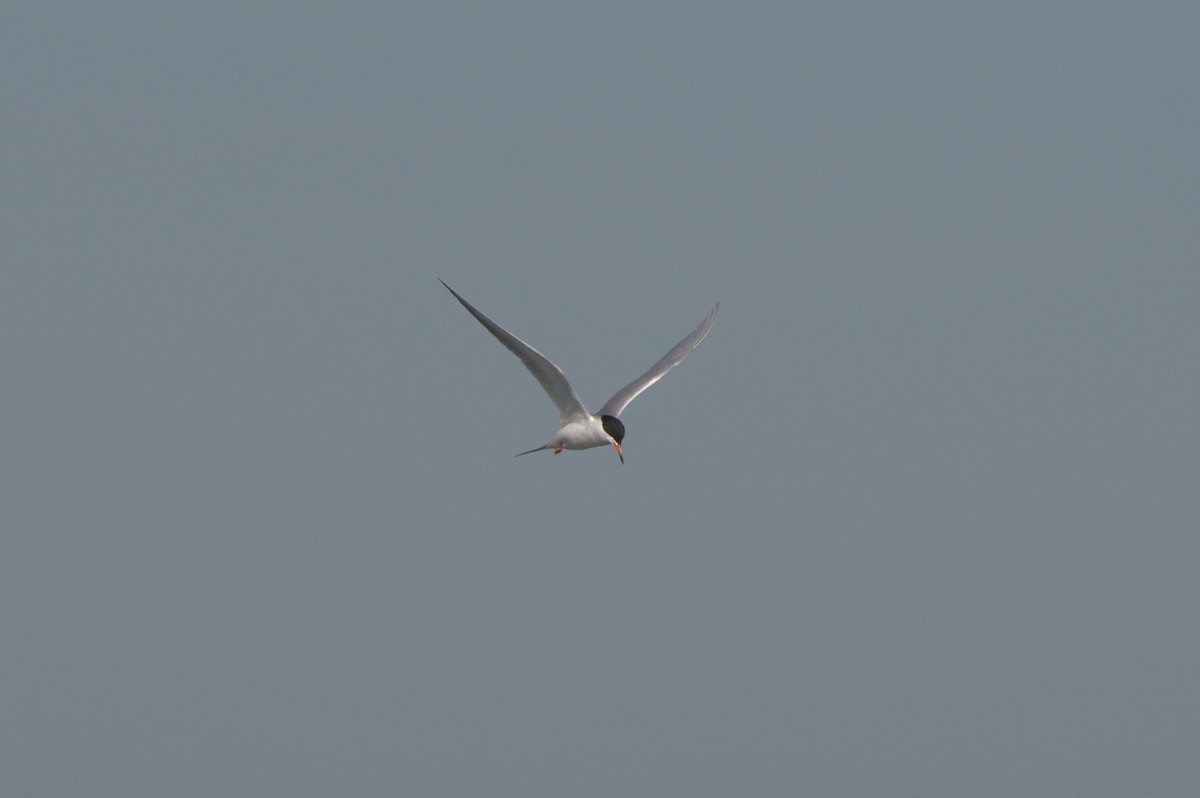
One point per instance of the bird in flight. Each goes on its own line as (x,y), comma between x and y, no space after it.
(581,429)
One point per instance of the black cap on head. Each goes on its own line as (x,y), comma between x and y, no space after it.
(613,426)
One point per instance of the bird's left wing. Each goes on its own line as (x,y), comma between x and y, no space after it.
(553,381)
(670,360)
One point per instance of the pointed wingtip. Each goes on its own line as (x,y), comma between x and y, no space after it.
(456,295)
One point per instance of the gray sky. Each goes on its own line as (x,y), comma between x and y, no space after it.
(918,518)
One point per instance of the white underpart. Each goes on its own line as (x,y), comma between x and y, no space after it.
(583,434)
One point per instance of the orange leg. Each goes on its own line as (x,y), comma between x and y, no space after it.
(558,449)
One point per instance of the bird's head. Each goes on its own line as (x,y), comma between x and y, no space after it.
(616,430)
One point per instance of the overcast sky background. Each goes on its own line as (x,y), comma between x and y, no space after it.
(918,518)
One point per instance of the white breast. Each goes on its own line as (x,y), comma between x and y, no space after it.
(583,434)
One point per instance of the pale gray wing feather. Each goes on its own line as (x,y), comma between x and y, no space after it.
(670,360)
(553,381)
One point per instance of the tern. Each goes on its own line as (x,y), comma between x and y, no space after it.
(581,429)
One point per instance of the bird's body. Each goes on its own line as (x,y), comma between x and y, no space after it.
(580,428)
(586,433)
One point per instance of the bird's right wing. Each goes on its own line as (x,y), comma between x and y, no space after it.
(553,381)
(670,360)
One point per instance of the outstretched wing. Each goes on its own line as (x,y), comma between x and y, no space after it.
(553,381)
(670,360)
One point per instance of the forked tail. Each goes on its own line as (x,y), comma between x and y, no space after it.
(531,451)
